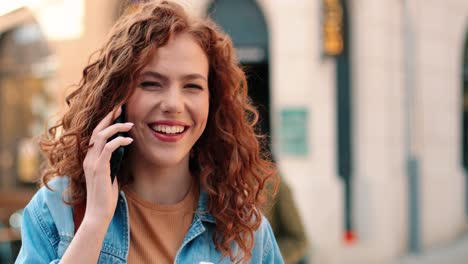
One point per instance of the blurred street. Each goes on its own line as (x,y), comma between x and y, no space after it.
(454,253)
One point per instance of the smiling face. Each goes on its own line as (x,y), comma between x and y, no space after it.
(169,107)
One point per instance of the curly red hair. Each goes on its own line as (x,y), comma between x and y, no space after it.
(228,159)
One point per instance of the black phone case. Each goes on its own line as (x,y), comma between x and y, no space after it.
(118,154)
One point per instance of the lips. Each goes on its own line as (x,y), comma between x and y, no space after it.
(168,130)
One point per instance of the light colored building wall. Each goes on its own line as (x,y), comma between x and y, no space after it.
(379,185)
(440,29)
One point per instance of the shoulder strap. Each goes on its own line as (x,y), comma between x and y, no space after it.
(78,214)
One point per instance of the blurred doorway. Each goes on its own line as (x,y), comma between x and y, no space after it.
(252,49)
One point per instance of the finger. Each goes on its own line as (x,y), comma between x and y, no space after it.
(104,135)
(103,161)
(107,120)
(93,153)
(111,146)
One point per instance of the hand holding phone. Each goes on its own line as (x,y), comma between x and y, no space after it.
(118,154)
(101,194)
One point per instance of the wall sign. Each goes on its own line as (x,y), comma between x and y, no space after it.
(293,131)
(332,27)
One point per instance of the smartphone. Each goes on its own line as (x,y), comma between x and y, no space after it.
(118,154)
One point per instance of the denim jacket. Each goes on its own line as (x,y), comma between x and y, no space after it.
(47,230)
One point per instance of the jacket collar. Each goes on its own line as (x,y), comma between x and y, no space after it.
(202,208)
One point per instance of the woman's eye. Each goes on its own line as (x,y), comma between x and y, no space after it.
(192,85)
(150,84)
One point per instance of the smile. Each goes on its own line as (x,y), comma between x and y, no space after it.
(168,131)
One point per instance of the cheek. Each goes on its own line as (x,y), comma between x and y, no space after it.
(131,112)
(204,110)
(135,107)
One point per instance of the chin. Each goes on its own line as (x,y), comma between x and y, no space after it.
(167,160)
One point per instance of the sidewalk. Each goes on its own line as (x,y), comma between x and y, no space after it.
(454,253)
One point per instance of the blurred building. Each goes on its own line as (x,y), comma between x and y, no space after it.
(365,101)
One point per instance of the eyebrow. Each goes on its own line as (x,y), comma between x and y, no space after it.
(164,78)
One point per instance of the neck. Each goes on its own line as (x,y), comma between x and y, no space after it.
(162,185)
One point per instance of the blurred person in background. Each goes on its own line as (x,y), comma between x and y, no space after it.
(287,226)
(192,177)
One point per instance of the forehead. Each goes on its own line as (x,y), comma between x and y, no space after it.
(181,55)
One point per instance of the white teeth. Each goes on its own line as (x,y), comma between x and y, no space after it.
(168,129)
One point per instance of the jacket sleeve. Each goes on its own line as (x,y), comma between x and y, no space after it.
(38,235)
(272,254)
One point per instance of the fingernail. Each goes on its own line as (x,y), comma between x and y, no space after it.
(130,139)
(129,124)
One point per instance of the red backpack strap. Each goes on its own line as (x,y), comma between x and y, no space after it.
(78,214)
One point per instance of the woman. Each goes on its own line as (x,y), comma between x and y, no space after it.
(192,178)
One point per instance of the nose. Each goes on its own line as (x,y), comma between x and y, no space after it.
(172,101)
